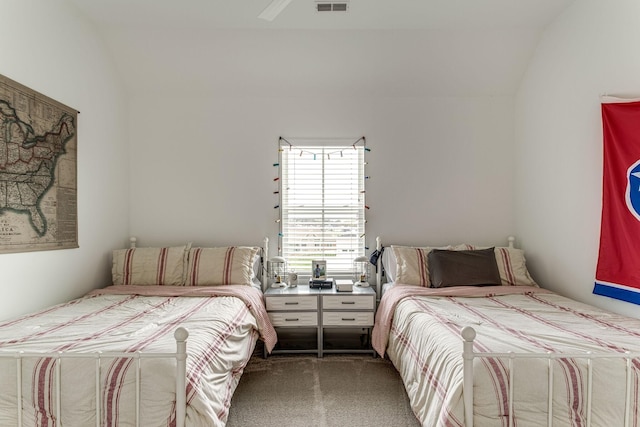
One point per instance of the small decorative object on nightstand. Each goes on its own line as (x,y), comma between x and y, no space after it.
(344,285)
(361,271)
(277,272)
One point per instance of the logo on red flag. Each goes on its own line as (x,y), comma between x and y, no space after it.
(633,189)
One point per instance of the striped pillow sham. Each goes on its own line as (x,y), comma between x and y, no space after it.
(231,265)
(149,266)
(412,267)
(513,267)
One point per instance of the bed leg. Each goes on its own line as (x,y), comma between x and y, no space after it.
(181,336)
(468,335)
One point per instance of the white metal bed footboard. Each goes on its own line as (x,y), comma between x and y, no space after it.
(181,335)
(469,334)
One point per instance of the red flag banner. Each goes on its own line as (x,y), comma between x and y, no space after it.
(618,270)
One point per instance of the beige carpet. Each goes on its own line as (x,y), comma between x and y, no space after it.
(335,391)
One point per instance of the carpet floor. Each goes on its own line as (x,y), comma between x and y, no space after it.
(335,391)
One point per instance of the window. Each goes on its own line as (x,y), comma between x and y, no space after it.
(322,204)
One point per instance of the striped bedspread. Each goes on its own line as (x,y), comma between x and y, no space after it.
(223,324)
(419,329)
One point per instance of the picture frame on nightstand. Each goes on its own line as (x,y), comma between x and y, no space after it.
(318,270)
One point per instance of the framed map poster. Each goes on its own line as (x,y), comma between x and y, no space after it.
(38,171)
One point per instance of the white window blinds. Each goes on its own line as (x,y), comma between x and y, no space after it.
(322,205)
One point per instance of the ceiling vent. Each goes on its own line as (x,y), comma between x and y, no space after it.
(332,6)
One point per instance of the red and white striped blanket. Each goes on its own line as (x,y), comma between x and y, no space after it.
(223,323)
(419,329)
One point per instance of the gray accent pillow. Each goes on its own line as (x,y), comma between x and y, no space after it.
(463,268)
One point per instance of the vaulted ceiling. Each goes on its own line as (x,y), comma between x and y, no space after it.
(376,48)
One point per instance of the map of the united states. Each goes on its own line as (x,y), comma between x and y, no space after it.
(28,158)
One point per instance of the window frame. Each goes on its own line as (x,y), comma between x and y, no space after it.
(296,154)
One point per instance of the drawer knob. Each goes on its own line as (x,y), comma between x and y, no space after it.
(291,303)
(348,319)
(348,302)
(291,320)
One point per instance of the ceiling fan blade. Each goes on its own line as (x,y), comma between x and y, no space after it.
(274,9)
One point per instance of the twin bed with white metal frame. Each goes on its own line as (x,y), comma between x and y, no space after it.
(118,356)
(509,354)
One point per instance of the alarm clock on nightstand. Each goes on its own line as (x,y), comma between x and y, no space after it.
(293,279)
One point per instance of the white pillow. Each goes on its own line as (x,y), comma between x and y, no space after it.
(389,263)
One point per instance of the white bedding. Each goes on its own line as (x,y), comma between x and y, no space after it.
(223,323)
(419,329)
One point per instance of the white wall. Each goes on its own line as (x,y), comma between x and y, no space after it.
(440,168)
(48,47)
(592,49)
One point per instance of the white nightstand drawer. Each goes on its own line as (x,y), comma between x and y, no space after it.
(347,302)
(292,303)
(347,318)
(293,318)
